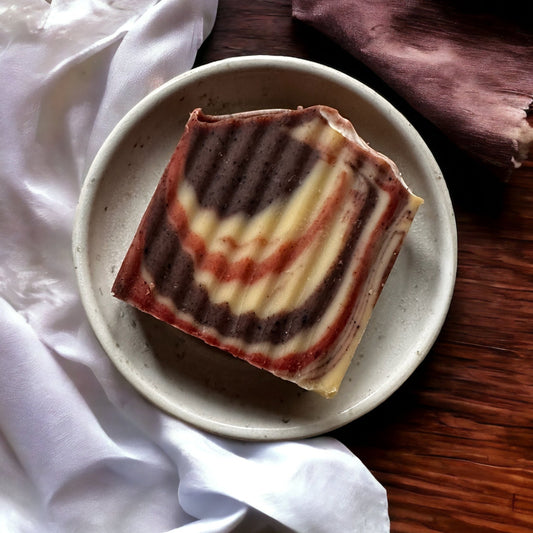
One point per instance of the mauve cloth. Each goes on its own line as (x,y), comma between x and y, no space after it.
(469,69)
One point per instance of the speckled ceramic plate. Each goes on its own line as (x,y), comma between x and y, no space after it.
(204,386)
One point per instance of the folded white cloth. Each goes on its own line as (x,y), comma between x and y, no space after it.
(80,450)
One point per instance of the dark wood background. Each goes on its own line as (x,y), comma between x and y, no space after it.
(454,446)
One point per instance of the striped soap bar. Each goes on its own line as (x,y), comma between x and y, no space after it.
(270,235)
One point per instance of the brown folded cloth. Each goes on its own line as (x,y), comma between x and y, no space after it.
(469,69)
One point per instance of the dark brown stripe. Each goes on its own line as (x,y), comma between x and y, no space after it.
(227,179)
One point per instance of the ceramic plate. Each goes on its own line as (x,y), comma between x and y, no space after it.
(202,385)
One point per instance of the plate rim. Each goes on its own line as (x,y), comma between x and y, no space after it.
(81,232)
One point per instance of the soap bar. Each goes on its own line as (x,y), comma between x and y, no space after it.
(270,235)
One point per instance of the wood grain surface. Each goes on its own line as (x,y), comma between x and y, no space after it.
(454,446)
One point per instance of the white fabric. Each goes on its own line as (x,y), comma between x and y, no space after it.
(80,450)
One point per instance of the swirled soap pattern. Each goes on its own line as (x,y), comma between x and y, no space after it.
(270,235)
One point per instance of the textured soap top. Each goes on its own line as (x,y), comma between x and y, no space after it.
(270,235)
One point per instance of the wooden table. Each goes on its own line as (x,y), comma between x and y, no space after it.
(454,446)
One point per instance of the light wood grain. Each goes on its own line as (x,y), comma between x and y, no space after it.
(454,446)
